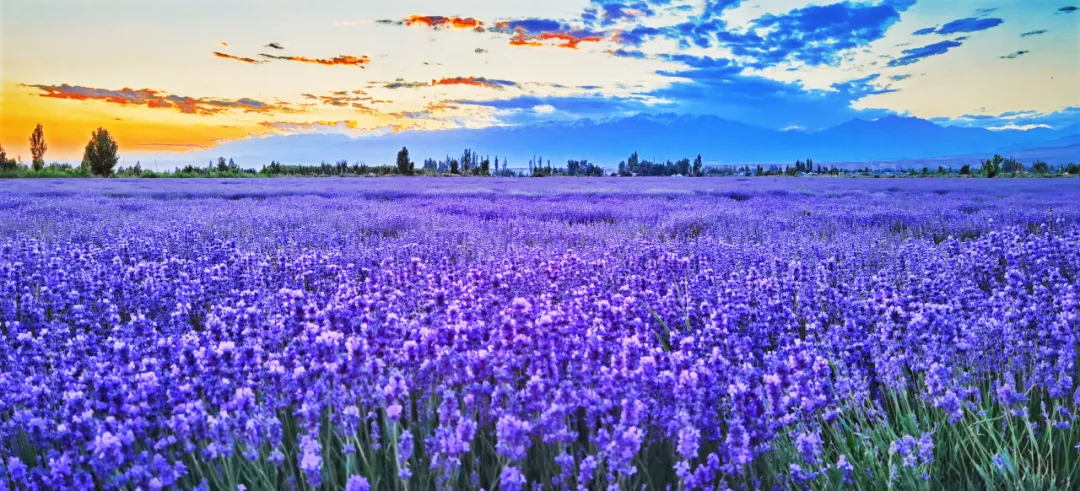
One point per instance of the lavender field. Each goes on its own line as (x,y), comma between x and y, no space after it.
(408,334)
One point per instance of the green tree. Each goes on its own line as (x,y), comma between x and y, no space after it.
(965,170)
(1012,166)
(5,164)
(992,167)
(698,164)
(38,147)
(100,155)
(404,165)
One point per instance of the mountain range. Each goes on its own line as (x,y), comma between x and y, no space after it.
(661,137)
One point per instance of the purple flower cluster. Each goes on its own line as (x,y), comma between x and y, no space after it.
(144,324)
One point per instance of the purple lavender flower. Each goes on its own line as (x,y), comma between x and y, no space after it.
(310,460)
(357,483)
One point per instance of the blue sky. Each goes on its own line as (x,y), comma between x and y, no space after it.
(177,76)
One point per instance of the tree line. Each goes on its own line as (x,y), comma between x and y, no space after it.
(101,155)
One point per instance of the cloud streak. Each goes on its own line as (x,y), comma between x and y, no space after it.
(236,58)
(345,124)
(970,24)
(438,21)
(292,127)
(915,54)
(343,60)
(475,81)
(156,100)
(401,84)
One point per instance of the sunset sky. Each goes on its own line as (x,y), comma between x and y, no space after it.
(174,76)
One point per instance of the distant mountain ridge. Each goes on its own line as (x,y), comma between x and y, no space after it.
(657,136)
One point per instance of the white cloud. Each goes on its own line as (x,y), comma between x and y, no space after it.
(544,109)
(1012,126)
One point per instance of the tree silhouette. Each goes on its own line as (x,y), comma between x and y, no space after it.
(38,147)
(100,155)
(404,165)
(5,164)
(991,167)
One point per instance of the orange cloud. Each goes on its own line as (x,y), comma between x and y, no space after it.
(440,21)
(295,127)
(570,41)
(156,100)
(347,60)
(440,106)
(308,126)
(476,81)
(342,98)
(519,39)
(237,58)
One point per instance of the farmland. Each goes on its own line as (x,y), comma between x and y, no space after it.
(417,333)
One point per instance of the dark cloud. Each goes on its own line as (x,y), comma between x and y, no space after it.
(915,54)
(572,106)
(1033,33)
(862,87)
(717,86)
(480,51)
(275,46)
(624,53)
(533,26)
(970,24)
(812,35)
(715,8)
(1067,9)
(612,12)
(923,32)
(1062,118)
(1016,54)
(637,35)
(401,84)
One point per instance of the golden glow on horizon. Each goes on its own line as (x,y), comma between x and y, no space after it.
(137,129)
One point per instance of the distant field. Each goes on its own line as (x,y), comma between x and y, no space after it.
(555,333)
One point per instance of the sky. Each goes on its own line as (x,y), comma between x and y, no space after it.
(167,76)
